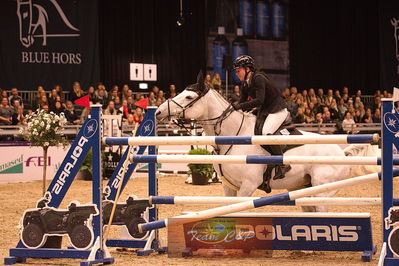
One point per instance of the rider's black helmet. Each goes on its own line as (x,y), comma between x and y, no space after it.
(244,61)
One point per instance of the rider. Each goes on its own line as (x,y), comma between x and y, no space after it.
(257,91)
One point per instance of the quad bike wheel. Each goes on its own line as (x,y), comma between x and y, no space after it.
(81,237)
(132,226)
(32,236)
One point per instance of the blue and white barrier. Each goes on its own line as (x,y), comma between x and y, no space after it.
(258,159)
(310,201)
(263,201)
(244,140)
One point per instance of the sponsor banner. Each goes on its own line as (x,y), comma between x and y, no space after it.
(48,42)
(274,233)
(24,163)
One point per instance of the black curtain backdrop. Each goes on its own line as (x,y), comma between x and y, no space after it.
(334,44)
(147,32)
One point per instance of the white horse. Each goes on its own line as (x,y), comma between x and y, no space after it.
(218,118)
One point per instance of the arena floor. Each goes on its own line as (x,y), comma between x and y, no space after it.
(15,198)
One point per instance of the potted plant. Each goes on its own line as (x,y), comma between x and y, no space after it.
(200,173)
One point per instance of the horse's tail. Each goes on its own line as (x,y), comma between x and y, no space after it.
(363,150)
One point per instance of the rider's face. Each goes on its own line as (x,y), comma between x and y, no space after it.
(240,73)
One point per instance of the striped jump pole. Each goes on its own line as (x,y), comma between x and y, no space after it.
(309,201)
(243,140)
(258,159)
(263,201)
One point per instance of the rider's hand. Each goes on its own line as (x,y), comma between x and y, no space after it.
(236,106)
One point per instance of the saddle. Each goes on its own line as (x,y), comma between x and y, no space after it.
(287,128)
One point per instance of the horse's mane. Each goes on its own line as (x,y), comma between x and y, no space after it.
(224,102)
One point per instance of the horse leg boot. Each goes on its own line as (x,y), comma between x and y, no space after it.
(280,169)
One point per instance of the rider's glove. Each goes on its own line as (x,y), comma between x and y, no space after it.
(236,105)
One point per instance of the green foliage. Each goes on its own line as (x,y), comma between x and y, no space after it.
(87,163)
(45,129)
(204,169)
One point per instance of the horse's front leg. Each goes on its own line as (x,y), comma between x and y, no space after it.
(247,188)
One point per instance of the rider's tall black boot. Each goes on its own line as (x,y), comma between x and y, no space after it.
(280,169)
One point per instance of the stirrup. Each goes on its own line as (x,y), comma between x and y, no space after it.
(281,170)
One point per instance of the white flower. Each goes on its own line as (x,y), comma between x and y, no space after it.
(36,122)
(42,124)
(47,127)
(46,144)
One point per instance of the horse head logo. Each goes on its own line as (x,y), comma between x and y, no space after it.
(33,17)
(395,24)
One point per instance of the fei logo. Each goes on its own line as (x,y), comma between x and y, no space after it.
(33,19)
(395,24)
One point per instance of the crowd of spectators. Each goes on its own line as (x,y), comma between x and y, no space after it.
(307,106)
(333,106)
(114,101)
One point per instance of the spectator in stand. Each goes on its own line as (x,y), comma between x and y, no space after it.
(311,96)
(328,99)
(217,82)
(358,94)
(39,94)
(377,103)
(76,92)
(300,117)
(298,103)
(124,110)
(362,110)
(70,113)
(368,116)
(309,116)
(5,112)
(101,86)
(235,96)
(125,92)
(15,97)
(113,93)
(138,115)
(151,99)
(161,96)
(45,108)
(129,121)
(285,93)
(18,117)
(318,107)
(377,116)
(334,111)
(155,90)
(320,96)
(345,90)
(58,108)
(327,117)
(117,102)
(130,103)
(337,96)
(208,80)
(110,110)
(52,99)
(58,88)
(305,96)
(43,101)
(101,98)
(318,118)
(345,97)
(342,107)
(91,92)
(385,94)
(358,102)
(15,105)
(172,91)
(291,103)
(158,102)
(140,96)
(348,123)
(294,90)
(357,117)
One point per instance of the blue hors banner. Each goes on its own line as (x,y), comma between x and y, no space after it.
(48,42)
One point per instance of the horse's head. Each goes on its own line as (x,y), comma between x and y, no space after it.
(188,104)
(24,13)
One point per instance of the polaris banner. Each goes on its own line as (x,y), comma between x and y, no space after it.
(48,42)
(389,43)
(329,233)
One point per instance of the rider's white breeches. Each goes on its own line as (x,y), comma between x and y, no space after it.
(274,121)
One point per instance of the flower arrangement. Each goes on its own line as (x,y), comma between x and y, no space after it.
(45,130)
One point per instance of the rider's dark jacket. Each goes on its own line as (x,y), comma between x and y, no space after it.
(259,92)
